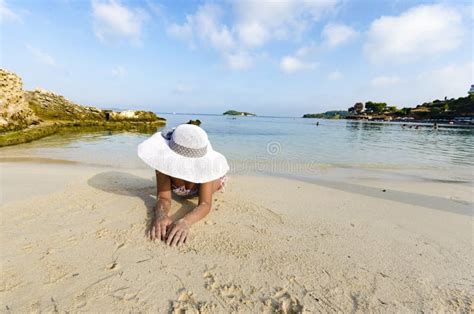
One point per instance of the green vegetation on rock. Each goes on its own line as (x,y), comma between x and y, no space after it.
(334,114)
(461,108)
(29,115)
(445,109)
(238,113)
(448,109)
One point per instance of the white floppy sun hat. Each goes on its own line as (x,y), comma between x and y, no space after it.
(184,153)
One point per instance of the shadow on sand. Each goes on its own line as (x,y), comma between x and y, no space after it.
(410,198)
(123,183)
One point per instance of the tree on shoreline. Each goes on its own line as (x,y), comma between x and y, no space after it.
(375,107)
(447,109)
(359,107)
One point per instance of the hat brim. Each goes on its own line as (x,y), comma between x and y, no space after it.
(156,153)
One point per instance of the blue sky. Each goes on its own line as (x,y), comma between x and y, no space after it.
(276,57)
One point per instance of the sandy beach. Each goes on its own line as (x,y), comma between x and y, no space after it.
(339,136)
(73,239)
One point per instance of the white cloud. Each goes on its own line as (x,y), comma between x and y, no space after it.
(252,33)
(261,21)
(338,34)
(41,56)
(7,14)
(300,60)
(182,32)
(291,64)
(451,80)
(114,20)
(421,31)
(239,61)
(209,28)
(206,26)
(118,71)
(307,50)
(255,23)
(384,81)
(335,75)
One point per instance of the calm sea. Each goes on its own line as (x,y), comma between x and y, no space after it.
(287,146)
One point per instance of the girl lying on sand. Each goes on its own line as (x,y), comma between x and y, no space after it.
(186,165)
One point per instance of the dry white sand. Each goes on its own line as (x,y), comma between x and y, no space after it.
(73,239)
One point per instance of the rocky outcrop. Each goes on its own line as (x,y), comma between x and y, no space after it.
(29,115)
(15,113)
(194,122)
(50,106)
(131,115)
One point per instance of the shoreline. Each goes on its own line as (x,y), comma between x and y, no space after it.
(424,123)
(45,129)
(299,171)
(306,172)
(74,240)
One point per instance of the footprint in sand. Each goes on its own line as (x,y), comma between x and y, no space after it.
(187,303)
(230,296)
(234,298)
(282,302)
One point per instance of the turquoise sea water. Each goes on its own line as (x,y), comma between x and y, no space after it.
(285,145)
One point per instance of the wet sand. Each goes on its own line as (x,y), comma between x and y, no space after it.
(73,239)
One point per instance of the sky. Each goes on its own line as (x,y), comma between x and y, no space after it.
(270,57)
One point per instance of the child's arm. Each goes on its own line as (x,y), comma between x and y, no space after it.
(163,205)
(180,230)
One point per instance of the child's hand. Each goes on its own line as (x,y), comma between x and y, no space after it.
(178,234)
(158,229)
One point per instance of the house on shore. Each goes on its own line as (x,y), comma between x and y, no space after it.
(471,91)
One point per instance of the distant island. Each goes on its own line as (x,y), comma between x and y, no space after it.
(238,113)
(460,110)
